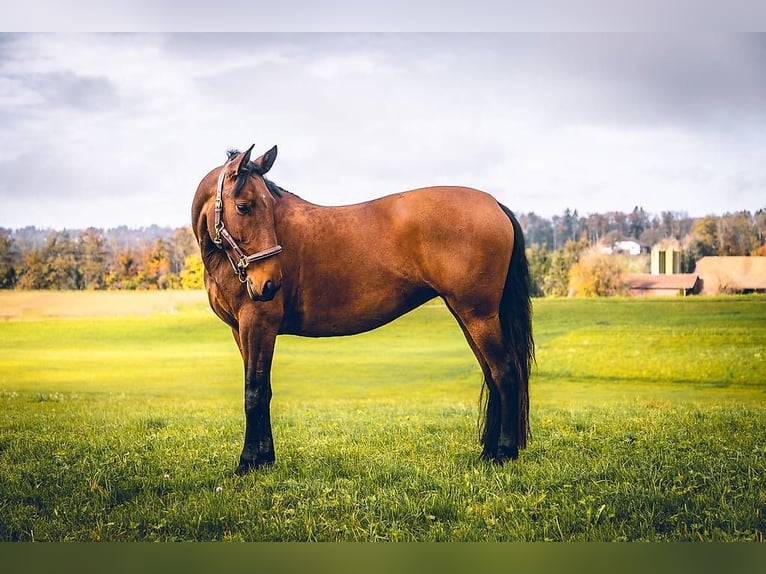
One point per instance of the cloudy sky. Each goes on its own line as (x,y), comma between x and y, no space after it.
(111,129)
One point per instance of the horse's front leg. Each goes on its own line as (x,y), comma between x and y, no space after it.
(257,353)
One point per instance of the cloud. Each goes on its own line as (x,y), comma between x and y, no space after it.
(544,121)
(334,67)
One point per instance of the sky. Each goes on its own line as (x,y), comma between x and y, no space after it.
(118,129)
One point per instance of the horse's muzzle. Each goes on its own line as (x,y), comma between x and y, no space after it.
(267,294)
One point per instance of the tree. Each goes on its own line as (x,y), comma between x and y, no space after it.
(596,226)
(539,261)
(125,272)
(157,266)
(537,230)
(702,241)
(9,259)
(52,267)
(638,222)
(618,222)
(192,276)
(596,274)
(93,259)
(61,253)
(182,244)
(651,236)
(34,274)
(556,281)
(759,223)
(669,226)
(737,234)
(565,227)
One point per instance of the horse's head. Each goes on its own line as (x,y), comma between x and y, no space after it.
(242,223)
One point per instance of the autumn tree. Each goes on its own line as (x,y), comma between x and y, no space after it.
(93,257)
(597,274)
(556,281)
(737,234)
(182,244)
(157,266)
(124,272)
(192,275)
(702,242)
(52,267)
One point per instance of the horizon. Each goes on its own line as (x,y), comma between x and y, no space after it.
(139,228)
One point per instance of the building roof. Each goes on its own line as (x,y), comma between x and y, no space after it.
(645,281)
(732,273)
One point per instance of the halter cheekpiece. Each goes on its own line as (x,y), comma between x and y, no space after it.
(221,234)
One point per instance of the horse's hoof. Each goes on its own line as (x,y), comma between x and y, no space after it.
(502,455)
(506,453)
(246,466)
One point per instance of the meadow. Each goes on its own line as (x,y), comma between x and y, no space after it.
(121,419)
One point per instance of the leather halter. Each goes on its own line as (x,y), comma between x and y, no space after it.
(221,234)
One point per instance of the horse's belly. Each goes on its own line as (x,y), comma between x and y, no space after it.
(329,315)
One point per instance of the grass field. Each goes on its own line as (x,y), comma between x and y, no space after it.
(121,419)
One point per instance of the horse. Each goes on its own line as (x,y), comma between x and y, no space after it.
(277,264)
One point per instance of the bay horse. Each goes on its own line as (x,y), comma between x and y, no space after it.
(276,264)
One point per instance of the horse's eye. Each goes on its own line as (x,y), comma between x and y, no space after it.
(243,208)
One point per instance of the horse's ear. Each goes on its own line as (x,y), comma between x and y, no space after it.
(265,162)
(244,160)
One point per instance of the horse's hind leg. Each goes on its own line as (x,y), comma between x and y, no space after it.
(486,339)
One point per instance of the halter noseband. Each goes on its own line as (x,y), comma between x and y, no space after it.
(221,234)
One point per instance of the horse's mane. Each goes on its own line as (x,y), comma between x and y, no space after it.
(253,169)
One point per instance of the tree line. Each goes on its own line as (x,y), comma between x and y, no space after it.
(739,233)
(121,258)
(566,257)
(563,251)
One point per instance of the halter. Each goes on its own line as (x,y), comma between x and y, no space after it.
(221,233)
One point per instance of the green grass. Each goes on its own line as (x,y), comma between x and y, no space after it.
(647,415)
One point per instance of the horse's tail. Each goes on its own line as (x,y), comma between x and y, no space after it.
(516,323)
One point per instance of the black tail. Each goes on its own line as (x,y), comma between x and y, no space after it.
(516,322)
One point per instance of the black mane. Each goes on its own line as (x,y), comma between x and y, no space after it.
(253,169)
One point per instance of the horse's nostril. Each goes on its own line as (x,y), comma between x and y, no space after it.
(269,290)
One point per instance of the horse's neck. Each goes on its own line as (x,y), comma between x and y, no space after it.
(289,200)
(289,204)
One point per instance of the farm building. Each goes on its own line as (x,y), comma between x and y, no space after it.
(665,279)
(663,285)
(626,246)
(665,261)
(732,274)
